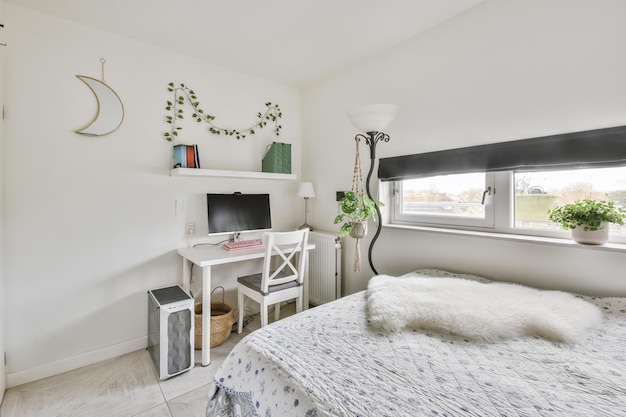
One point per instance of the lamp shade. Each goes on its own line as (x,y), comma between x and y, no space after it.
(306,190)
(372,118)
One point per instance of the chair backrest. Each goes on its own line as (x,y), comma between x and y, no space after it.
(291,263)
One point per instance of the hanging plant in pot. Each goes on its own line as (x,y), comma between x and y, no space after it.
(355,209)
(588,219)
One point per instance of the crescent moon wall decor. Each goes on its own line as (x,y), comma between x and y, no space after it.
(110,108)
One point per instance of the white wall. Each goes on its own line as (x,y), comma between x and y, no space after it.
(2,289)
(497,72)
(89,222)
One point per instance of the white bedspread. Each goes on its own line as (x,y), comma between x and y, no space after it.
(327,361)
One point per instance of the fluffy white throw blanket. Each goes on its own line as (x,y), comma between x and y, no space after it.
(478,311)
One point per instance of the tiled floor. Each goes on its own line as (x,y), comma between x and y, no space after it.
(126,386)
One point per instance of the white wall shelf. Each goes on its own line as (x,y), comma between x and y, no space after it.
(195,172)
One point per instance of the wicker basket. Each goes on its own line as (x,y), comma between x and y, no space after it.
(222,320)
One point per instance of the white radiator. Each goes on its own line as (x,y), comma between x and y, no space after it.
(324,268)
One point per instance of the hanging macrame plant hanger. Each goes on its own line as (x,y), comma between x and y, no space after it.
(359,229)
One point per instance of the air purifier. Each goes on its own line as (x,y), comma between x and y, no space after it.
(170,330)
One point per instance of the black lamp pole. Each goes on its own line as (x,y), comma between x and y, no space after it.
(371,140)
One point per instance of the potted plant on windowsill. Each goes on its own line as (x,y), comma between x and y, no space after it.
(588,219)
(355,209)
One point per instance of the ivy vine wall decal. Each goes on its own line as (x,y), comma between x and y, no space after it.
(182,92)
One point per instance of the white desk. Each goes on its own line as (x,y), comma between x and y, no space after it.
(205,257)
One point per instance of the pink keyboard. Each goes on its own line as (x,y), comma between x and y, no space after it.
(243,244)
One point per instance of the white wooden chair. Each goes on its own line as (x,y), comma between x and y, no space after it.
(282,284)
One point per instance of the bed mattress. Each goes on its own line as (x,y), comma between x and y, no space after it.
(327,361)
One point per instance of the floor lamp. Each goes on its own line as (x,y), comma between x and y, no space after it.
(371,120)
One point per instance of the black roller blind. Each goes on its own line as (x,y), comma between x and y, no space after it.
(587,149)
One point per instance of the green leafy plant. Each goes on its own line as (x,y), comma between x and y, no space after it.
(182,93)
(355,208)
(589,214)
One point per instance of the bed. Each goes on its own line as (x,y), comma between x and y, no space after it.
(329,361)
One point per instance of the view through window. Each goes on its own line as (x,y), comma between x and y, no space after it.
(538,192)
(457,200)
(447,199)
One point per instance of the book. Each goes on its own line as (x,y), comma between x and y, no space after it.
(191,159)
(179,161)
(186,156)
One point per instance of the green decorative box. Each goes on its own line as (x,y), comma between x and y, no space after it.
(277,158)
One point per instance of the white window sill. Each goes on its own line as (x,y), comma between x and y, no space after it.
(608,247)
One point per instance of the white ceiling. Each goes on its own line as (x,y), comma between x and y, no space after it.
(294,42)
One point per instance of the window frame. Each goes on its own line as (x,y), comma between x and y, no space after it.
(502,203)
(486,223)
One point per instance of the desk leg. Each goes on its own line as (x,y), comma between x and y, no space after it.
(206,316)
(186,274)
(305,295)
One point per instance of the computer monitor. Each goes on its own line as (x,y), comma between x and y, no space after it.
(238,213)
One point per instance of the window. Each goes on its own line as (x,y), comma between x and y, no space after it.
(520,181)
(539,191)
(515,202)
(459,199)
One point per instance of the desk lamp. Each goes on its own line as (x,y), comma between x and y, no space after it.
(306,190)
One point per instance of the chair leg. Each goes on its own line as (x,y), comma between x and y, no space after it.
(264,307)
(276,311)
(299,304)
(240,306)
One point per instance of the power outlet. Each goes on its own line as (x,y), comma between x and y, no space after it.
(190,228)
